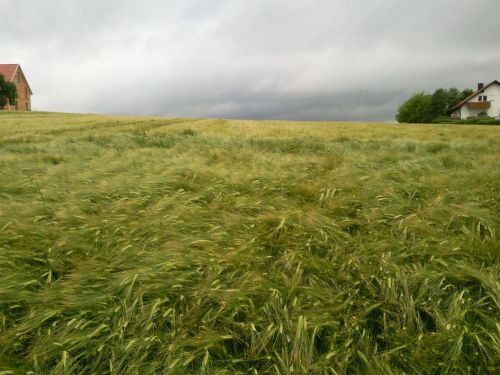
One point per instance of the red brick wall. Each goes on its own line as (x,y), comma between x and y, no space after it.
(23,94)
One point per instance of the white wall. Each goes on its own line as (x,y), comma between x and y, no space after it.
(493,93)
(493,96)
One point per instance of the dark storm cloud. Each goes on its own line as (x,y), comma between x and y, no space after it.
(318,60)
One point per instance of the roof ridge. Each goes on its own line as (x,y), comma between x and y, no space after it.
(473,95)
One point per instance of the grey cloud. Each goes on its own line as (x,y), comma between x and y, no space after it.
(318,60)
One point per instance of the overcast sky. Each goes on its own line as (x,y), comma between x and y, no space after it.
(281,59)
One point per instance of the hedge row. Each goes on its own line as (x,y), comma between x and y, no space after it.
(483,120)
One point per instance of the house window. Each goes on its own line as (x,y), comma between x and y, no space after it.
(480,99)
(26,93)
(485,98)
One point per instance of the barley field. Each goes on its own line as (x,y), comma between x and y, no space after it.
(135,245)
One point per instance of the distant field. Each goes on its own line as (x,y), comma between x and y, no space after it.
(158,246)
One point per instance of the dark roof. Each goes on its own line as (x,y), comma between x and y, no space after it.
(473,95)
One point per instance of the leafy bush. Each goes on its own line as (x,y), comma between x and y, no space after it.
(444,120)
(8,92)
(425,108)
(482,120)
(415,109)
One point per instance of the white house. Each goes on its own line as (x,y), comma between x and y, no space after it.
(483,102)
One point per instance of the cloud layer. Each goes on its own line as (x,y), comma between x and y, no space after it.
(318,60)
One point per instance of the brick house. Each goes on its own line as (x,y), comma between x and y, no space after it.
(14,73)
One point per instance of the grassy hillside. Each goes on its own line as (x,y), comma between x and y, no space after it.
(158,246)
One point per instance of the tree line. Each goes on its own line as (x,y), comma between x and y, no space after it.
(8,92)
(424,107)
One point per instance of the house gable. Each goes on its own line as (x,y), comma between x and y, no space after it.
(484,101)
(13,73)
(474,94)
(8,71)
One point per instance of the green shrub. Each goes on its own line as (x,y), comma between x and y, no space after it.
(444,120)
(480,120)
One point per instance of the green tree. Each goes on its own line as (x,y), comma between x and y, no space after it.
(465,93)
(445,99)
(8,92)
(423,107)
(439,103)
(417,109)
(454,96)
